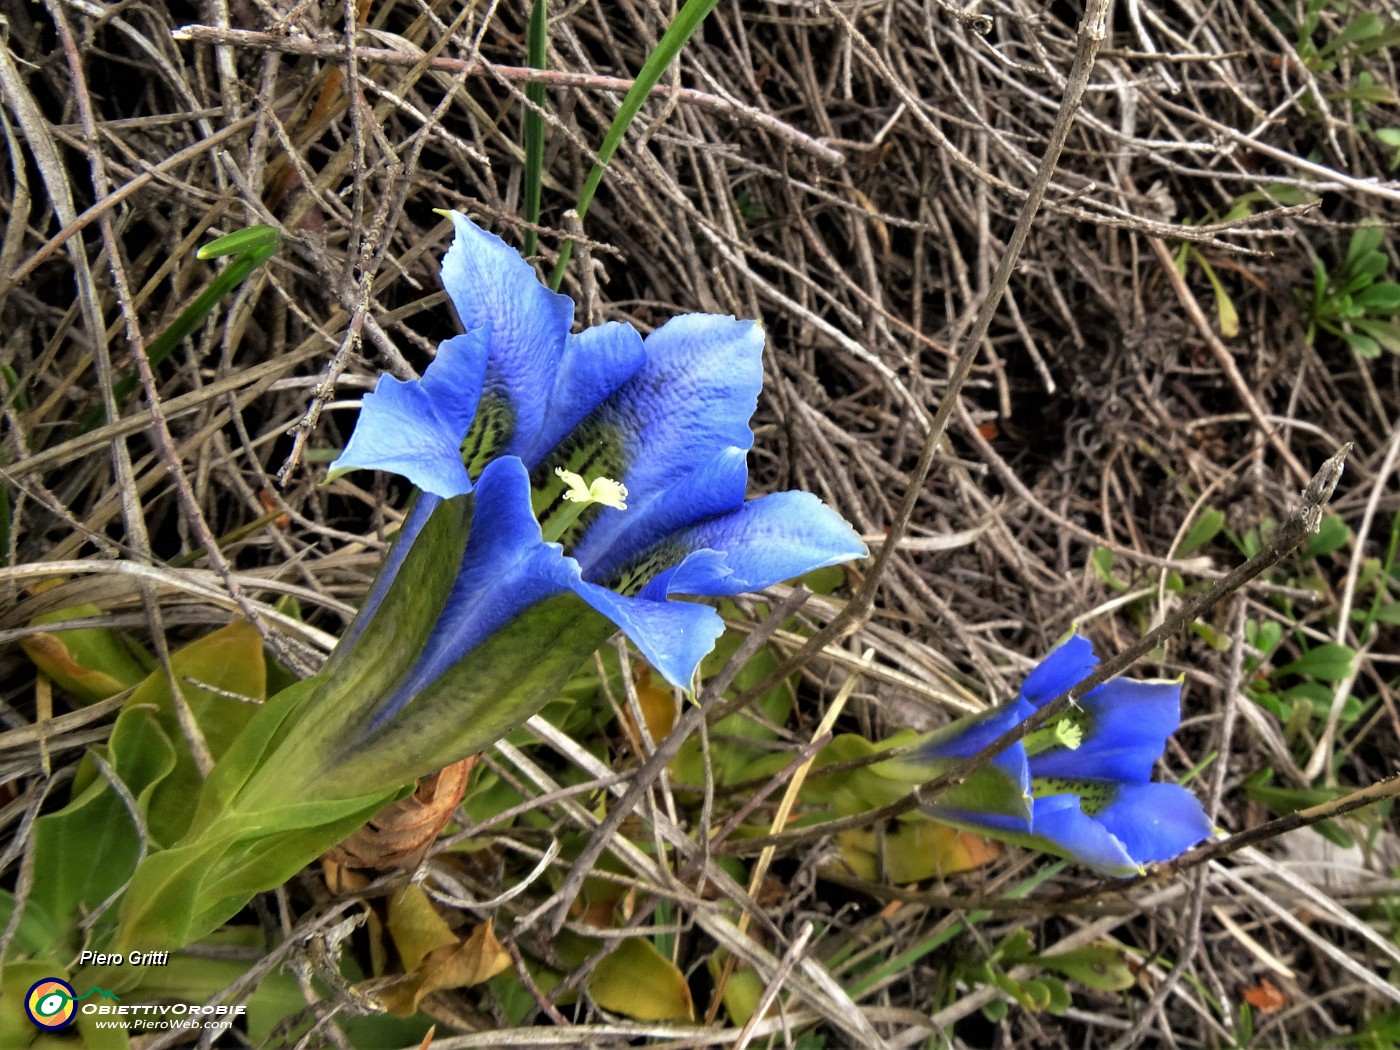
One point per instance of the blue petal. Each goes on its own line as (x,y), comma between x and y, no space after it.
(489,283)
(1127,727)
(618,538)
(1061,823)
(415,429)
(1155,821)
(763,542)
(504,570)
(595,363)
(507,567)
(673,636)
(1068,663)
(690,402)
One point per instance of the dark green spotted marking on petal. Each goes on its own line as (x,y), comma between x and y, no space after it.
(490,432)
(1094,795)
(635,576)
(591,451)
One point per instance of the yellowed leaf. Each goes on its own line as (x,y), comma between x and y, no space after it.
(463,964)
(90,663)
(658,702)
(915,851)
(742,991)
(637,981)
(416,927)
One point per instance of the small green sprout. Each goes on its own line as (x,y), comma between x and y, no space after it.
(1353,303)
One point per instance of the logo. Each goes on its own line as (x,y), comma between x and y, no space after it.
(52,1004)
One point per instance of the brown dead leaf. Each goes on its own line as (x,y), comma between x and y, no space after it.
(400,835)
(1264,996)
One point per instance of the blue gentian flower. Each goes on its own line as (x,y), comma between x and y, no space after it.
(505,408)
(1088,777)
(569,485)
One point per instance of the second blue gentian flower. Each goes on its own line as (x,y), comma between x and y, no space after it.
(1087,778)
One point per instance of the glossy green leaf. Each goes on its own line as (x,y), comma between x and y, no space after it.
(260,242)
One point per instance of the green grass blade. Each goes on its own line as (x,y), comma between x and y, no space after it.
(251,248)
(536,41)
(675,37)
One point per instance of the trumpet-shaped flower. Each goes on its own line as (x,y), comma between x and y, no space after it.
(570,485)
(1088,775)
(553,431)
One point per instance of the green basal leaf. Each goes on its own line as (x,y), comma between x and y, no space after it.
(996,1011)
(1205,529)
(181,894)
(89,849)
(1365,239)
(1227,317)
(1328,662)
(1385,334)
(1332,534)
(1380,298)
(37,930)
(1101,560)
(1098,966)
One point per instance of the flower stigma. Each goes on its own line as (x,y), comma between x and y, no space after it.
(1067,733)
(581,495)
